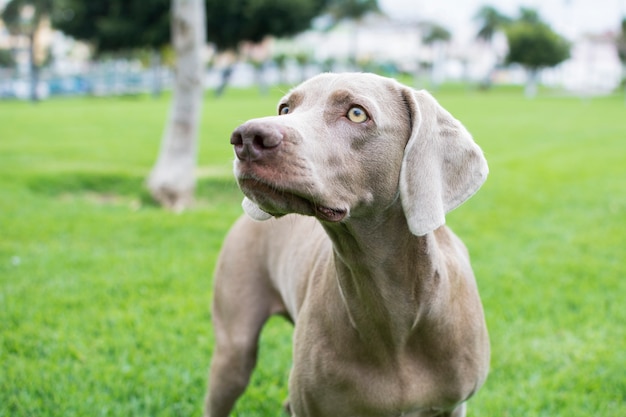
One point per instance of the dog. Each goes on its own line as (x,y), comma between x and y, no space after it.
(346,192)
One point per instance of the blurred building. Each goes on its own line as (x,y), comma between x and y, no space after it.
(377,43)
(594,66)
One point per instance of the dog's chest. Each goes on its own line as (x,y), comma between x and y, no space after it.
(336,377)
(339,389)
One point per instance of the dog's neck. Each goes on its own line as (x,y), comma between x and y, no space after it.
(386,275)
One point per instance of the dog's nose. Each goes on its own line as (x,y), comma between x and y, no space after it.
(253,140)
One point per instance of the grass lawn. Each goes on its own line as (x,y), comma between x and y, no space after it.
(104,297)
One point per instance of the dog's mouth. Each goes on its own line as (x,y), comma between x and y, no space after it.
(278,202)
(330,214)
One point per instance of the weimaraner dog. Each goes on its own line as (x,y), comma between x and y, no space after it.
(354,177)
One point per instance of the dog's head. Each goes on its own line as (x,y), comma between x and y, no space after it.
(351,145)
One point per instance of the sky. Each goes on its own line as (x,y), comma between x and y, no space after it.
(570,18)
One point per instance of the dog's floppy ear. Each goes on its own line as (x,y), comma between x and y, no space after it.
(253,210)
(442,165)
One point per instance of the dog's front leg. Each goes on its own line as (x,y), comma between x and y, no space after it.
(231,368)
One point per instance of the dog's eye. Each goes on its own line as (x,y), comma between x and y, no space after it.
(357,115)
(283,109)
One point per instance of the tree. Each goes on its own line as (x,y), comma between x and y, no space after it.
(115,25)
(118,25)
(491,21)
(6,59)
(172,180)
(436,36)
(24,17)
(231,22)
(530,16)
(434,33)
(621,51)
(351,9)
(535,46)
(354,10)
(112,25)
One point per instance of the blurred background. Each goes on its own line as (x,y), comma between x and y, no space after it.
(104,295)
(72,47)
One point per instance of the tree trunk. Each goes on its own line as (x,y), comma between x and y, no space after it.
(34,69)
(530,91)
(226,74)
(155,67)
(172,180)
(624,80)
(259,71)
(354,46)
(487,82)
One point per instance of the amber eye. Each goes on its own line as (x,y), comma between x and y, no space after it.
(357,115)
(284,109)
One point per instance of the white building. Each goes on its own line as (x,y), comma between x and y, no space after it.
(594,67)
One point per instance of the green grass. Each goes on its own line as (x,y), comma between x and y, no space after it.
(104,297)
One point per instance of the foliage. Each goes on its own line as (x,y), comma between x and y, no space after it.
(113,25)
(6,59)
(12,15)
(104,298)
(491,20)
(621,43)
(530,16)
(434,32)
(351,9)
(16,17)
(231,22)
(122,24)
(535,45)
(532,43)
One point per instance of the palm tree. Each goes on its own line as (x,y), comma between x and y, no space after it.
(24,18)
(354,10)
(491,21)
(436,36)
(621,51)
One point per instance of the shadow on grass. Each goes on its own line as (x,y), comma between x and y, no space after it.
(119,188)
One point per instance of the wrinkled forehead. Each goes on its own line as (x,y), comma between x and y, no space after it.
(342,87)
